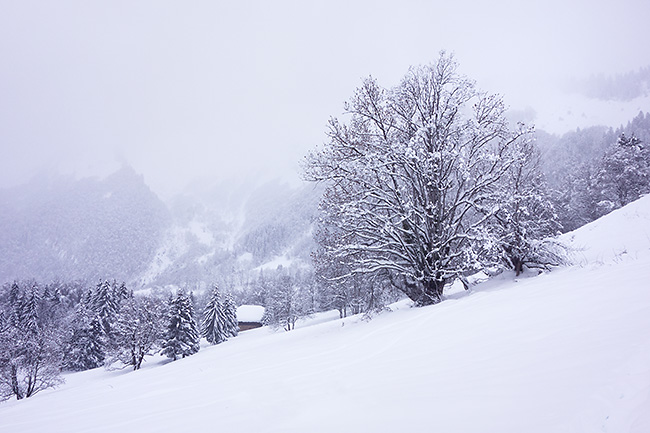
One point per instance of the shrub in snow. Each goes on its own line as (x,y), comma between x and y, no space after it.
(138,330)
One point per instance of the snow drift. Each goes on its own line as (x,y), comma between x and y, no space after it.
(566,351)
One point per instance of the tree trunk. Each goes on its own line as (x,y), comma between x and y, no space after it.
(432,293)
(428,292)
(15,387)
(518,265)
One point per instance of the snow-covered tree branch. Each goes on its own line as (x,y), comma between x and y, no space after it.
(412,178)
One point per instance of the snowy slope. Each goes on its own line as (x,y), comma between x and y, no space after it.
(622,235)
(567,351)
(559,112)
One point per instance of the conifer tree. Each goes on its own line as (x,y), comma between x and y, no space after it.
(121,292)
(105,305)
(85,347)
(29,311)
(181,336)
(4,322)
(215,326)
(14,293)
(230,313)
(15,304)
(51,310)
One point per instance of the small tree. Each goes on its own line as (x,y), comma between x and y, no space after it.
(138,330)
(105,304)
(230,314)
(525,221)
(624,173)
(284,304)
(85,347)
(30,356)
(29,363)
(29,319)
(214,326)
(181,336)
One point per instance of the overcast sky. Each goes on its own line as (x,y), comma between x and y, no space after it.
(220,90)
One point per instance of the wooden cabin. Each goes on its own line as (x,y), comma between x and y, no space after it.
(249,317)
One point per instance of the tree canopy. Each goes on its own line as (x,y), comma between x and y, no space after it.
(411,179)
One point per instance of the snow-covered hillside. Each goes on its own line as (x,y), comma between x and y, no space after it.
(622,235)
(117,228)
(559,112)
(566,351)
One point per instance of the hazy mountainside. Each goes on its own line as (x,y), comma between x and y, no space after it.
(565,153)
(226,233)
(61,228)
(79,229)
(562,154)
(594,170)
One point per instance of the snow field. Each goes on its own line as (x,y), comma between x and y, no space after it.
(566,351)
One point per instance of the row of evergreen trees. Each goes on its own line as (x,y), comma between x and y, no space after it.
(594,171)
(43,332)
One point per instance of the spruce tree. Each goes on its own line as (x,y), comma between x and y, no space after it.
(105,305)
(181,336)
(85,348)
(14,293)
(15,304)
(230,312)
(29,311)
(215,326)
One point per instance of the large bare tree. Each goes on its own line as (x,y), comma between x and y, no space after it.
(411,178)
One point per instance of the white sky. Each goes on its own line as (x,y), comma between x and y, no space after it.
(228,89)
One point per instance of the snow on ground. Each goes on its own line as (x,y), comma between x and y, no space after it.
(558,112)
(202,232)
(174,245)
(281,260)
(622,235)
(566,351)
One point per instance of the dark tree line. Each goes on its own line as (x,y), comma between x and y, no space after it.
(68,327)
(595,171)
(30,341)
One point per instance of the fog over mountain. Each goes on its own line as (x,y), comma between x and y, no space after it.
(58,228)
(230,91)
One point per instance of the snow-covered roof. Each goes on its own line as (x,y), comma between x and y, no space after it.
(250,313)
